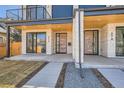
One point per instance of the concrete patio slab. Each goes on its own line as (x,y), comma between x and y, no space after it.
(114,76)
(47,77)
(92,61)
(43,57)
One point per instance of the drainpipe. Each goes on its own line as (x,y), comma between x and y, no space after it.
(80,65)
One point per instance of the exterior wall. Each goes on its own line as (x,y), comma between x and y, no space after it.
(112,38)
(103,41)
(108,39)
(61,11)
(48,40)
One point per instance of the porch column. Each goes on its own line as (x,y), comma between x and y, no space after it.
(49,42)
(73,33)
(78,35)
(8,42)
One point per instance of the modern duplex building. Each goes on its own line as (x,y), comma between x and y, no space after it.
(77,30)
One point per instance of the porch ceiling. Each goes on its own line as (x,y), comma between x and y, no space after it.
(101,20)
(54,27)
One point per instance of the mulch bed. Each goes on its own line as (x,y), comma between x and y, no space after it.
(102,79)
(60,81)
(22,82)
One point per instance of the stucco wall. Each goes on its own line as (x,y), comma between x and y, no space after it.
(108,39)
(112,38)
(103,41)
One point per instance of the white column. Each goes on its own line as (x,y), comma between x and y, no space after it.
(49,42)
(23,42)
(78,37)
(73,32)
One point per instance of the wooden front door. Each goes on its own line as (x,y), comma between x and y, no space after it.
(61,43)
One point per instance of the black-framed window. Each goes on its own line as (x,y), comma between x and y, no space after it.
(36,42)
(119,41)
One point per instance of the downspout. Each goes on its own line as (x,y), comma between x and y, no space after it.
(79,35)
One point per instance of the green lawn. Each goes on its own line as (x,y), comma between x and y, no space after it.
(14,73)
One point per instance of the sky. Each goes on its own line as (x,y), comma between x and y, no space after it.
(3,9)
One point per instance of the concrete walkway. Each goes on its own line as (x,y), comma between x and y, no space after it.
(47,77)
(114,76)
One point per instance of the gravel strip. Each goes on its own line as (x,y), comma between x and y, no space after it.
(102,79)
(73,79)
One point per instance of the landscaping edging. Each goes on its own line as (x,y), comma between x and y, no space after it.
(102,79)
(22,82)
(60,81)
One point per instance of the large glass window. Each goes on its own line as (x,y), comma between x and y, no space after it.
(41,42)
(31,43)
(36,42)
(120,41)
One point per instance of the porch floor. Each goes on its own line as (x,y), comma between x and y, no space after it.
(43,57)
(92,61)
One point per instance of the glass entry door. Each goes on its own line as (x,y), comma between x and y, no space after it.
(36,43)
(61,43)
(120,41)
(41,42)
(91,42)
(31,43)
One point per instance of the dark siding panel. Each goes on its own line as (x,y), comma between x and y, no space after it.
(59,11)
(91,6)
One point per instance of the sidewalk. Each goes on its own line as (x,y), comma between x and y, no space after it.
(114,76)
(47,77)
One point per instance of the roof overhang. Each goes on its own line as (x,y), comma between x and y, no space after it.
(53,27)
(101,20)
